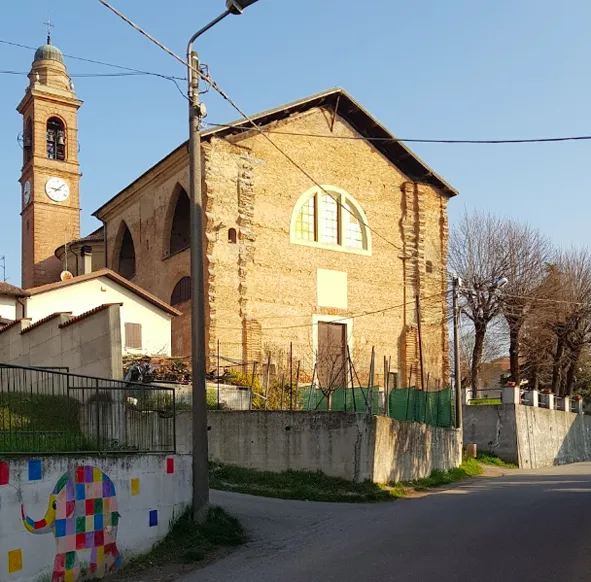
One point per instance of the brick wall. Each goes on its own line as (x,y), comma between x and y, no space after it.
(262,291)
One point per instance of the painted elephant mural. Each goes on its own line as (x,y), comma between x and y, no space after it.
(82,514)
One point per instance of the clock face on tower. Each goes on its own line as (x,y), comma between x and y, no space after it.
(27,192)
(57,189)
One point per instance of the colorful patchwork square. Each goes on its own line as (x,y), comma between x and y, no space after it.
(108,489)
(170,465)
(89,522)
(79,474)
(153,517)
(135,487)
(80,524)
(70,527)
(98,521)
(97,475)
(97,490)
(89,507)
(106,520)
(15,561)
(60,528)
(35,470)
(99,538)
(4,473)
(60,562)
(90,539)
(80,491)
(88,474)
(106,505)
(98,506)
(80,541)
(69,576)
(70,560)
(80,509)
(30,522)
(114,519)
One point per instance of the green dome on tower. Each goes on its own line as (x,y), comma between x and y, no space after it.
(49,52)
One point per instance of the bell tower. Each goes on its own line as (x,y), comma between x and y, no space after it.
(50,176)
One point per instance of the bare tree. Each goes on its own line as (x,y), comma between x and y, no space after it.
(527,253)
(476,255)
(570,320)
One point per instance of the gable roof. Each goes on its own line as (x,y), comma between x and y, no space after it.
(113,277)
(353,113)
(11,290)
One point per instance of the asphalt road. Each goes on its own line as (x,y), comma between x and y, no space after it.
(533,525)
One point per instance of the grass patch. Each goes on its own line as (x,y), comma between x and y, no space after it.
(316,486)
(438,478)
(188,543)
(302,485)
(485,402)
(492,459)
(32,422)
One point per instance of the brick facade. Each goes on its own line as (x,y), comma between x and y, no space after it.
(262,292)
(46,224)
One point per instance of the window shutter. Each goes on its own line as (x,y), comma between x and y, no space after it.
(133,336)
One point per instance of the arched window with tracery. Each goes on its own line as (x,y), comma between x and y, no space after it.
(330,218)
(56,139)
(126,258)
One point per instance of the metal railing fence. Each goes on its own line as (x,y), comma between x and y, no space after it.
(46,410)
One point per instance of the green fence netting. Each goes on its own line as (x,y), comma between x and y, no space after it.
(411,404)
(342,400)
(433,408)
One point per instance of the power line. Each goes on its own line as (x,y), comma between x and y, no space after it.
(95,62)
(130,71)
(224,95)
(412,140)
(349,317)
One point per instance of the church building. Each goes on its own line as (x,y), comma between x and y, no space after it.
(356,263)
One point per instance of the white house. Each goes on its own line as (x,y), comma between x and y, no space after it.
(145,319)
(12,303)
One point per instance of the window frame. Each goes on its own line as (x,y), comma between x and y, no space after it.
(133,330)
(339,246)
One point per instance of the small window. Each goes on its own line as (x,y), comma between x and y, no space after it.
(181,291)
(133,336)
(232,237)
(56,139)
(429,267)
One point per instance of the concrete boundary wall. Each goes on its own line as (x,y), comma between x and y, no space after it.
(352,446)
(529,436)
(85,510)
(89,344)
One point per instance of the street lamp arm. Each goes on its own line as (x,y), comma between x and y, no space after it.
(205,29)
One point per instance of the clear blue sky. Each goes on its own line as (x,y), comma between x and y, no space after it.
(427,69)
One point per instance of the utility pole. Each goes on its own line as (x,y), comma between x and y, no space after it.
(199,389)
(457,284)
(196,112)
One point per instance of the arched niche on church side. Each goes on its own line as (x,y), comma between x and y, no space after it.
(124,252)
(177,225)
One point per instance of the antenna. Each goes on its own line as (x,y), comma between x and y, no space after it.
(49,27)
(3,262)
(66,247)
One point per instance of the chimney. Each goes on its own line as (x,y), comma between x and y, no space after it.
(86,253)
